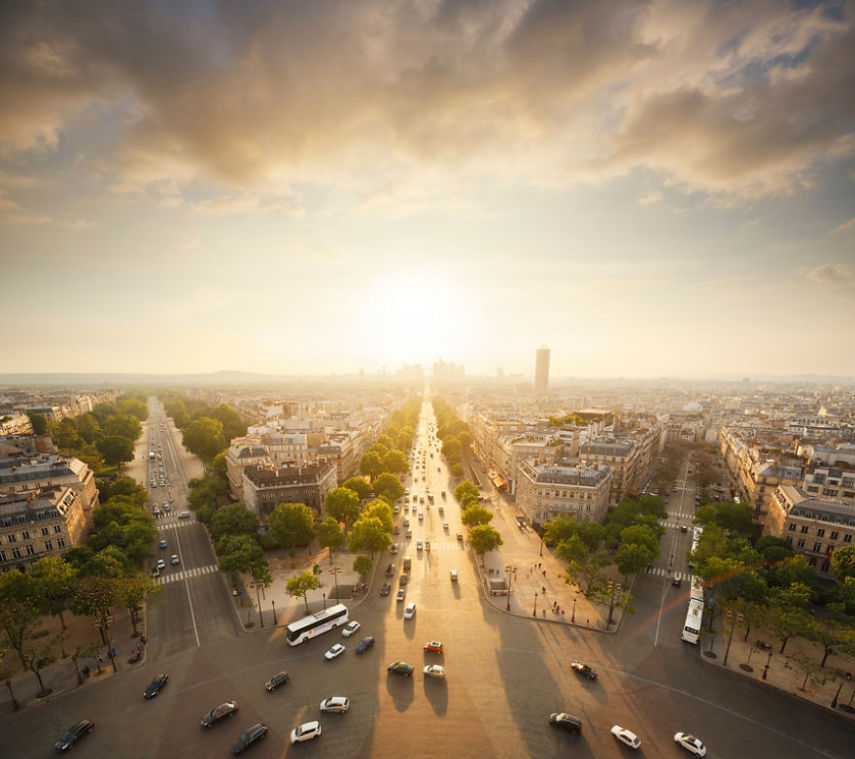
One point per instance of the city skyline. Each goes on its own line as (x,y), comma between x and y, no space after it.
(323,188)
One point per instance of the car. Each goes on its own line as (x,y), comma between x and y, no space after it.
(460,536)
(155,572)
(404,580)
(445,526)
(566,722)
(335,704)
(280,678)
(175,558)
(421,516)
(683,528)
(384,591)
(74,734)
(434,670)
(156,511)
(409,533)
(393,548)
(161,564)
(419,545)
(627,737)
(396,530)
(390,570)
(184,515)
(400,668)
(676,582)
(350,628)
(434,645)
(410,611)
(228,709)
(253,735)
(365,644)
(163,544)
(155,686)
(406,522)
(453,575)
(584,670)
(690,743)
(335,651)
(401,594)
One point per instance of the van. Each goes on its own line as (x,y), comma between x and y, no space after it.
(407,563)
(454,575)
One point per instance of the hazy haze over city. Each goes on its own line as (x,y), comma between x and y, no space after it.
(648,188)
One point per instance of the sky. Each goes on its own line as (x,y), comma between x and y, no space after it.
(661,188)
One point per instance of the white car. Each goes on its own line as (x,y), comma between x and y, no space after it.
(419,545)
(306,732)
(410,611)
(690,743)
(434,670)
(336,650)
(350,628)
(175,559)
(627,737)
(161,564)
(335,704)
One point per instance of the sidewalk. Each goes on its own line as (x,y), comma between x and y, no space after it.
(832,687)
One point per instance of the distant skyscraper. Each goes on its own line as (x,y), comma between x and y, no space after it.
(541,370)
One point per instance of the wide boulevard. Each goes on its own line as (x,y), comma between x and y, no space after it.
(505,674)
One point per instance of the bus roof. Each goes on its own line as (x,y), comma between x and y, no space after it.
(318,616)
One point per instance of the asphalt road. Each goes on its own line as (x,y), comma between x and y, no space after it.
(505,675)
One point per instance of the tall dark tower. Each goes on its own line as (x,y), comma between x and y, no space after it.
(541,371)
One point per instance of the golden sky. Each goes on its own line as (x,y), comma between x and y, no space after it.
(650,188)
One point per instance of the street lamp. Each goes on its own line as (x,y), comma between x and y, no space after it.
(273,604)
(509,569)
(766,667)
(534,613)
(834,702)
(573,615)
(324,595)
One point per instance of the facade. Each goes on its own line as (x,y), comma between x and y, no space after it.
(631,457)
(39,523)
(22,472)
(548,491)
(264,488)
(541,371)
(814,527)
(240,454)
(831,482)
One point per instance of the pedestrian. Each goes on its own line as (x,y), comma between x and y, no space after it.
(543,588)
(544,573)
(100,660)
(538,565)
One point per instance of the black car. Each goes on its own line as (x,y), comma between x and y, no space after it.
(584,670)
(155,685)
(228,709)
(280,678)
(401,668)
(390,570)
(404,580)
(253,735)
(566,722)
(74,734)
(384,591)
(364,645)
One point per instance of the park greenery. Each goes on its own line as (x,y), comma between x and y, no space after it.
(454,434)
(206,430)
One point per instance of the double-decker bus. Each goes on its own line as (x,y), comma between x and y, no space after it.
(315,624)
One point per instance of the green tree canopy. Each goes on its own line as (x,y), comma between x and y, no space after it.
(466,487)
(239,553)
(369,534)
(233,424)
(127,487)
(299,586)
(380,509)
(55,576)
(735,518)
(396,462)
(292,524)
(476,514)
(633,557)
(330,535)
(204,437)
(115,449)
(452,449)
(134,407)
(388,486)
(233,519)
(843,562)
(123,425)
(39,423)
(362,564)
(65,436)
(342,504)
(484,538)
(358,485)
(370,464)
(643,535)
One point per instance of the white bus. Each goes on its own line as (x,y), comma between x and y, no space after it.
(315,624)
(692,627)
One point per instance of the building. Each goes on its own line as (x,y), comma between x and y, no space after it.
(264,488)
(39,523)
(541,371)
(549,491)
(631,456)
(831,482)
(814,527)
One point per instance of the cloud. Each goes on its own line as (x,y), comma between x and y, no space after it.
(844,227)
(833,276)
(650,198)
(249,204)
(739,100)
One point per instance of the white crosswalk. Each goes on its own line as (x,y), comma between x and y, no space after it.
(662,572)
(185,574)
(174,523)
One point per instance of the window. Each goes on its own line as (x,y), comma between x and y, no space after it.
(30,550)
(829,491)
(57,528)
(847,538)
(25,535)
(60,543)
(792,527)
(789,539)
(12,537)
(804,529)
(812,489)
(801,543)
(817,547)
(48,545)
(820,532)
(834,534)
(16,553)
(825,566)
(45,531)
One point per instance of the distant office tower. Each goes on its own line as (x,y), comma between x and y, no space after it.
(541,370)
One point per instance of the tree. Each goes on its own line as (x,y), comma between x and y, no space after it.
(784,621)
(292,524)
(843,562)
(87,427)
(330,535)
(452,450)
(583,564)
(65,436)
(613,596)
(134,406)
(790,571)
(342,504)
(370,464)
(456,470)
(127,487)
(476,514)
(204,437)
(484,538)
(261,579)
(358,485)
(20,601)
(239,553)
(55,576)
(123,425)
(831,635)
(233,519)
(396,462)
(299,586)
(369,534)
(115,450)
(736,518)
(632,558)
(95,596)
(388,486)
(643,535)
(39,423)
(362,564)
(466,487)
(133,591)
(233,425)
(7,669)
(804,664)
(381,509)
(558,530)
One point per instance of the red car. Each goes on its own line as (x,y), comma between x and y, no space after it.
(434,645)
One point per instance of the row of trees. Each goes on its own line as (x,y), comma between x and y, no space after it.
(89,580)
(206,430)
(482,537)
(103,436)
(757,580)
(454,434)
(389,452)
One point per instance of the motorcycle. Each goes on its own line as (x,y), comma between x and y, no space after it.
(135,657)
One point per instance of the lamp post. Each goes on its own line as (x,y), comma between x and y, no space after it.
(573,615)
(766,667)
(509,569)
(733,622)
(324,596)
(541,545)
(834,701)
(614,590)
(534,613)
(273,604)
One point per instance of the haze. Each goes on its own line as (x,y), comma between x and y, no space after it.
(648,188)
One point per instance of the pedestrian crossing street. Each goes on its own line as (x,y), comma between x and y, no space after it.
(185,574)
(662,572)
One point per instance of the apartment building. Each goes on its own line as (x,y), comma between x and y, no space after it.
(831,482)
(546,491)
(814,527)
(38,523)
(630,455)
(264,488)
